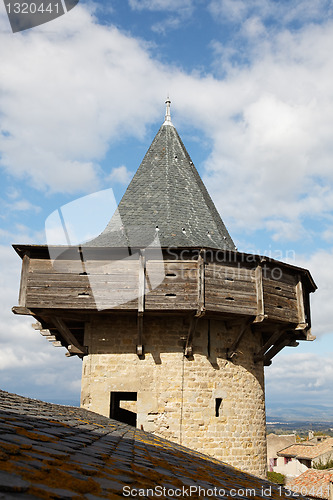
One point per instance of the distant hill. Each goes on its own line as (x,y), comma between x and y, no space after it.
(286,412)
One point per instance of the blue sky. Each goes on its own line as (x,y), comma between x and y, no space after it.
(81,99)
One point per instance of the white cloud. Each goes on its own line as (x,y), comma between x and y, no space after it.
(22,206)
(171,5)
(307,378)
(120,175)
(270,126)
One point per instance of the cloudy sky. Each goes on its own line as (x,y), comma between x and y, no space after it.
(251,84)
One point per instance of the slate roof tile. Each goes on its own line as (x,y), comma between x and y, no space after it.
(166,199)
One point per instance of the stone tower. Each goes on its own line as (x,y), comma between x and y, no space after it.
(173,324)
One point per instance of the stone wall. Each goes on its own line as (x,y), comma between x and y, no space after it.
(206,402)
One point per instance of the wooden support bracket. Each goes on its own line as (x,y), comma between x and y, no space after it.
(232,351)
(73,345)
(275,350)
(259,356)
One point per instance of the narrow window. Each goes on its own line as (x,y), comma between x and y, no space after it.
(120,414)
(218,404)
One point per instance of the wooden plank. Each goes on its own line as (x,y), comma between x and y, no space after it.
(279,288)
(281,308)
(237,273)
(75,266)
(278,274)
(231,283)
(81,303)
(24,278)
(174,264)
(239,308)
(176,288)
(172,306)
(220,294)
(53,278)
(89,287)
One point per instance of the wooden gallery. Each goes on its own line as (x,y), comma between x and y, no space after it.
(174,326)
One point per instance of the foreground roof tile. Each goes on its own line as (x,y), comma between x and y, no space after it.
(52,451)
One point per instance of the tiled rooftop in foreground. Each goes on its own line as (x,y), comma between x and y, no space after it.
(59,452)
(316,483)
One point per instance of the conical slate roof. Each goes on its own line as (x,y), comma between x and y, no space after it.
(166,199)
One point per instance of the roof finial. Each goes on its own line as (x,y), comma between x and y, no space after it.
(167,120)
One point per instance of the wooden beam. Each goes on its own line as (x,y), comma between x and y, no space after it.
(45,333)
(260,296)
(68,336)
(24,311)
(141,284)
(139,346)
(72,349)
(259,356)
(201,284)
(37,326)
(274,351)
(188,349)
(51,338)
(302,323)
(24,280)
(141,302)
(232,351)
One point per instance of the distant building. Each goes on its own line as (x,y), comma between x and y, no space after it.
(297,458)
(275,443)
